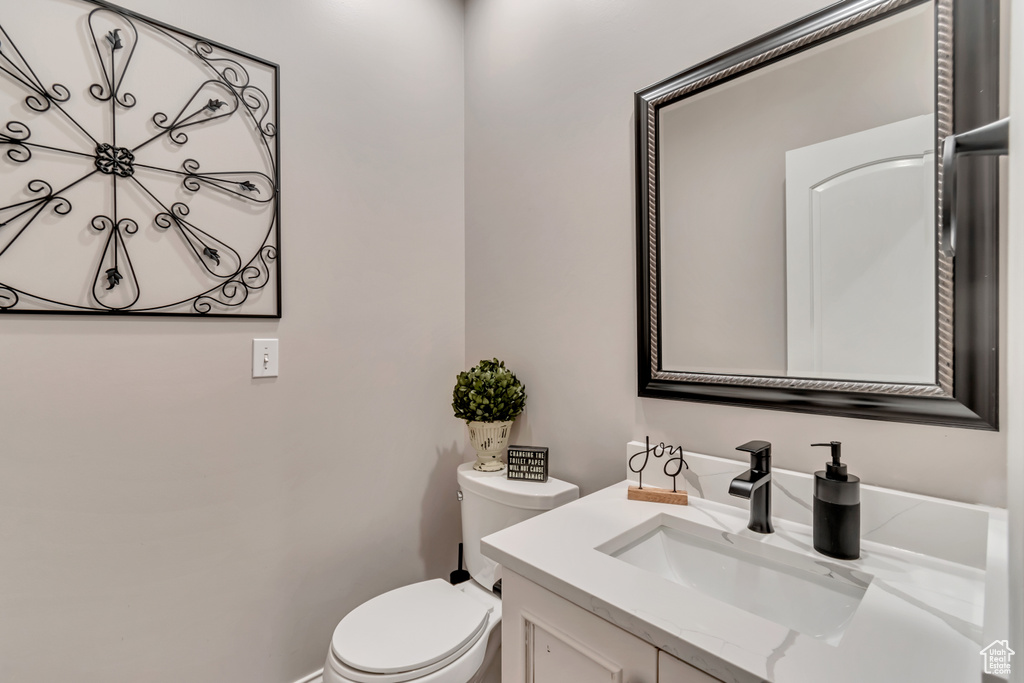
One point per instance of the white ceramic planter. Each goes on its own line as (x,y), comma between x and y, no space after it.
(490,439)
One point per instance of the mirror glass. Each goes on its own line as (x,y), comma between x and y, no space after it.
(798,236)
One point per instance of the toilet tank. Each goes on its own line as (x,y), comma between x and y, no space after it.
(491,502)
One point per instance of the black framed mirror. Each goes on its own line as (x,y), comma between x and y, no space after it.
(789,206)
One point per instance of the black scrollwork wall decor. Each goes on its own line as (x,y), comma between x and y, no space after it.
(139,167)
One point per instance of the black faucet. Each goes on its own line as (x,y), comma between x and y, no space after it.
(755,484)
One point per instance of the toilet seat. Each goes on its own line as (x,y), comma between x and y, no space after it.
(408,633)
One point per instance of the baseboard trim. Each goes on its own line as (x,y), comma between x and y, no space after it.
(315,676)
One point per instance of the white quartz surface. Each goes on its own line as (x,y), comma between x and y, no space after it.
(922,617)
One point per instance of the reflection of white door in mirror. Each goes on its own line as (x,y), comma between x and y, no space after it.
(860,255)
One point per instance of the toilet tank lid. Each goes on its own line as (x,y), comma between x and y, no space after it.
(527,495)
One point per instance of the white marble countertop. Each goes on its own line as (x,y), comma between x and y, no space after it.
(922,618)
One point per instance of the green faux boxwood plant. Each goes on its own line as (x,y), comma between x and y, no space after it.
(489,392)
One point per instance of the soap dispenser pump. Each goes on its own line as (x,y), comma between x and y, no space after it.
(836,508)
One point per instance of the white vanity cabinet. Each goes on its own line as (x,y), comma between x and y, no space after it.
(547,639)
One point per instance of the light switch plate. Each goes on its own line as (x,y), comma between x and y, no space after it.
(264,358)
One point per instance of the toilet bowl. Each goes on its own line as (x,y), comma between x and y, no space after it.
(432,631)
(428,632)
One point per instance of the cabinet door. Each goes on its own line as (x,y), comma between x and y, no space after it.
(672,670)
(547,639)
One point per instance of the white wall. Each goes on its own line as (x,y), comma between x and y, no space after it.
(163,517)
(550,255)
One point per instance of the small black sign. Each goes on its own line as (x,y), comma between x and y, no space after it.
(529,463)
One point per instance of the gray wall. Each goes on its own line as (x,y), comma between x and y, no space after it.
(550,193)
(163,517)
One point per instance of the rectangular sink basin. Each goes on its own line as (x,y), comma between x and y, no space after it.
(812,596)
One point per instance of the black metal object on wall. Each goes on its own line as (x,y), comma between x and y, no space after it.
(146,181)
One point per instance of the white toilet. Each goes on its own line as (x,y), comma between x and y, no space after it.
(434,632)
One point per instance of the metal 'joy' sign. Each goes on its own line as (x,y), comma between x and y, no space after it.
(674,464)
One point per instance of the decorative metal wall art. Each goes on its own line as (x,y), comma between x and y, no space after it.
(140,167)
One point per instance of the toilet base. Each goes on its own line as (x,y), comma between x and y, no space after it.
(490,671)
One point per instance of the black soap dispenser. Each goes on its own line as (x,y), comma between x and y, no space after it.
(836,509)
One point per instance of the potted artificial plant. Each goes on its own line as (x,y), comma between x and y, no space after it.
(488,398)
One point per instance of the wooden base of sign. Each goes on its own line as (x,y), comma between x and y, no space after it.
(653,495)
